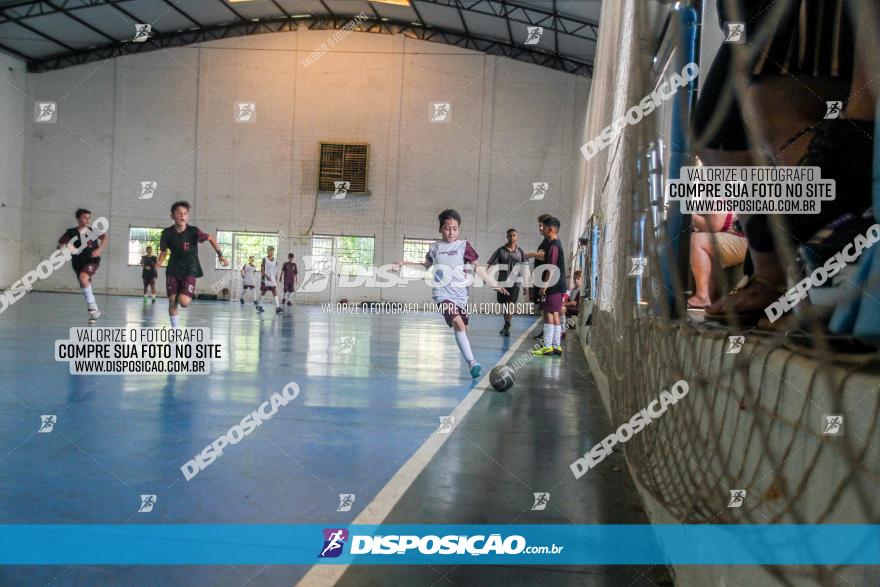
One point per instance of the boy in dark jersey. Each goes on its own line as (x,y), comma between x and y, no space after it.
(289,274)
(149,274)
(533,290)
(85,263)
(551,253)
(184,267)
(508,256)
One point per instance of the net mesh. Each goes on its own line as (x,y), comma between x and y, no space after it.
(753,420)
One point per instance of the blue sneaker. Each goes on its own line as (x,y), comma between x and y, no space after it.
(475,370)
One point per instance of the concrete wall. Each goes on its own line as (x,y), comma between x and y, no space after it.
(168,116)
(13,130)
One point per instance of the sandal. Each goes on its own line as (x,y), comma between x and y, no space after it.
(745,305)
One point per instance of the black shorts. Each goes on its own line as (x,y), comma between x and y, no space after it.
(806,38)
(89,267)
(511,298)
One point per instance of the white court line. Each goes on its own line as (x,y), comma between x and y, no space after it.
(378,509)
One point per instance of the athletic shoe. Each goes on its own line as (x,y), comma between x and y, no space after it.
(506,331)
(289,303)
(260,309)
(145,299)
(94,314)
(557,350)
(543,351)
(538,336)
(242,301)
(279,310)
(153,301)
(475,370)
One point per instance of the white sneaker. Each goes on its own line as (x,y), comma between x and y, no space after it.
(94,314)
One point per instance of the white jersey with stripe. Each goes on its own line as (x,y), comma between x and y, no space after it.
(452,265)
(250,275)
(270,271)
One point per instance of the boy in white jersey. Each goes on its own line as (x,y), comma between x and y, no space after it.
(249,279)
(451,259)
(269,281)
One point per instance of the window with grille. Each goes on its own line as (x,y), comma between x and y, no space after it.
(139,238)
(237,246)
(343,163)
(415,249)
(353,254)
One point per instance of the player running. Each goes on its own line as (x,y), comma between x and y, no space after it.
(182,240)
(454,262)
(85,263)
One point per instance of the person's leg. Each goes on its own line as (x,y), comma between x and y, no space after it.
(153,288)
(459,330)
(173,310)
(701,267)
(278,308)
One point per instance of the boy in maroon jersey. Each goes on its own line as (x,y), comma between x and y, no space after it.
(85,263)
(289,274)
(184,267)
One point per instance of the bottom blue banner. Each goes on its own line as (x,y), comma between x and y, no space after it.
(440,544)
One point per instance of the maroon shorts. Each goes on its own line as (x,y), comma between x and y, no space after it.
(149,280)
(89,268)
(450,311)
(180,285)
(265,288)
(552,302)
(288,288)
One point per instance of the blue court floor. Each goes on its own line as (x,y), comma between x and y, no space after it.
(373,389)
(363,409)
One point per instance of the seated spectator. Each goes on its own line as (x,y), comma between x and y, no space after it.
(571,301)
(717,238)
(809,54)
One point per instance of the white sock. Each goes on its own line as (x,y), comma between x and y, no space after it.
(276,301)
(90,297)
(548,334)
(464,345)
(557,335)
(174,320)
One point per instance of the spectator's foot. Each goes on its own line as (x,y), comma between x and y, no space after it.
(695,303)
(745,305)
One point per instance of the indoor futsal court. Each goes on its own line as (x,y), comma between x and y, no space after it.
(439,292)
